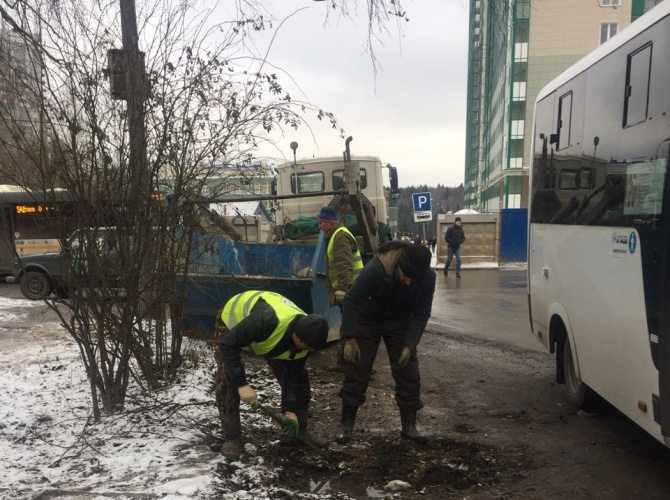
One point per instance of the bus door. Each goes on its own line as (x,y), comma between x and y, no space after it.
(6,242)
(662,403)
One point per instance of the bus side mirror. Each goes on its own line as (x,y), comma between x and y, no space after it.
(393,179)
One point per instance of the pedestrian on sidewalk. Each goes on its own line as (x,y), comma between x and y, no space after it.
(455,236)
(390,300)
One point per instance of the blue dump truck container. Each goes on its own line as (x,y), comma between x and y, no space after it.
(221,268)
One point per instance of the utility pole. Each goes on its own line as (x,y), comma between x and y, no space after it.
(133,89)
(135,94)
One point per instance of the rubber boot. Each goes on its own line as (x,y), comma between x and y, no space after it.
(307,437)
(232,432)
(347,424)
(408,420)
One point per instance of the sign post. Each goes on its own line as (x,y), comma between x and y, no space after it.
(422,208)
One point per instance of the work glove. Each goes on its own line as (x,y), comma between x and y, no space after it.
(248,395)
(404,357)
(351,352)
(290,426)
(339,296)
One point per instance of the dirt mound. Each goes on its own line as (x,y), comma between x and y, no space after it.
(453,464)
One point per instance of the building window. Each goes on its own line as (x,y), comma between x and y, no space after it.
(519,91)
(650,4)
(607,31)
(609,3)
(522,9)
(521,51)
(515,162)
(636,100)
(517,129)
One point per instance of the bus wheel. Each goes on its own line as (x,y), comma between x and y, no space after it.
(35,286)
(581,395)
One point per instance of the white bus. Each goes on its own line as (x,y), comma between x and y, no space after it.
(599,225)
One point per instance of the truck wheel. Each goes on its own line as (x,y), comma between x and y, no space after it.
(35,286)
(581,395)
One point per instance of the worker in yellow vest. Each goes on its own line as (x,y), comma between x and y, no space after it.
(343,259)
(273,327)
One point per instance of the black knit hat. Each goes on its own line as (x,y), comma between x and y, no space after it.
(312,330)
(415,261)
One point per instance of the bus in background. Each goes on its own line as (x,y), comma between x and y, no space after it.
(599,225)
(31,223)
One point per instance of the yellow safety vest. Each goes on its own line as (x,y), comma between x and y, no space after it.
(239,307)
(358,261)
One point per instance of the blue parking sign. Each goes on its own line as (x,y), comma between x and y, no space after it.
(421,202)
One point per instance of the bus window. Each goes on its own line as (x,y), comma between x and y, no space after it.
(637,87)
(644,187)
(564,121)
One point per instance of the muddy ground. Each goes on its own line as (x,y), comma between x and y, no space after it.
(499,427)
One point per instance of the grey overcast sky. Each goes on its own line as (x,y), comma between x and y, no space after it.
(411,116)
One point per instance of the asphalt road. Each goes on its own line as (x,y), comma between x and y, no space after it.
(487,304)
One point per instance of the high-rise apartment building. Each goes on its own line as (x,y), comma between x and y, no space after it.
(517,47)
(20,75)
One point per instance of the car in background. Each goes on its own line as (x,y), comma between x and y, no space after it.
(40,275)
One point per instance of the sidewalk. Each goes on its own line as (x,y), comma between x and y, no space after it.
(482,265)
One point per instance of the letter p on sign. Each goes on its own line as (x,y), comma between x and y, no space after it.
(421,202)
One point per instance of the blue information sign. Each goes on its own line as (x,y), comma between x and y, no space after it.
(421,202)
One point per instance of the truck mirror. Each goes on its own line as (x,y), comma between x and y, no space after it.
(393,179)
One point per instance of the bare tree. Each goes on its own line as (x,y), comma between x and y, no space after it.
(206,105)
(380,15)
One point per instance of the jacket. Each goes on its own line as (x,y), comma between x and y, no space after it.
(454,236)
(378,297)
(258,325)
(343,259)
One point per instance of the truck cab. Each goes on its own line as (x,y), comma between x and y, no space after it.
(326,175)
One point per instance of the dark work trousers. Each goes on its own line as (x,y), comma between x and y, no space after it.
(357,377)
(227,397)
(340,348)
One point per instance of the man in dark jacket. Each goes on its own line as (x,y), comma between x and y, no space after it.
(275,328)
(454,236)
(390,300)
